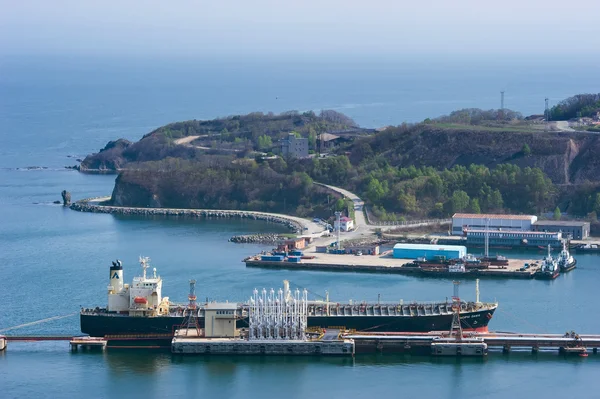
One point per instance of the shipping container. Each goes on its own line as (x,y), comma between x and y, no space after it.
(272,258)
(296,253)
(295,259)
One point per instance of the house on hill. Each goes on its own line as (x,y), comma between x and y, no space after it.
(346,224)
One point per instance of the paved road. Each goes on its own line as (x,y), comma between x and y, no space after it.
(563,126)
(359,215)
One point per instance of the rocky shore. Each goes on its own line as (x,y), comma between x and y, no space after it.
(88,205)
(257,239)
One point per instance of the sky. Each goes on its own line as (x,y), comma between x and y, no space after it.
(299,27)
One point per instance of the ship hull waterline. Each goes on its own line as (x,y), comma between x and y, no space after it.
(150,332)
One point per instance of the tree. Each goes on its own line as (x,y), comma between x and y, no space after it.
(495,200)
(375,190)
(264,142)
(340,205)
(459,201)
(557,214)
(526,150)
(407,203)
(475,208)
(597,203)
(312,138)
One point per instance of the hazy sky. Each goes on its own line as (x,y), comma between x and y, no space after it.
(191,28)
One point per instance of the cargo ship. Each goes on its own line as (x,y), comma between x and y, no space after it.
(138,314)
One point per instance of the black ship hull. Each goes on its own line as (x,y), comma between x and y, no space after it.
(546,275)
(568,267)
(127,329)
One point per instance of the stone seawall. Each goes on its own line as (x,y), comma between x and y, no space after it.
(88,205)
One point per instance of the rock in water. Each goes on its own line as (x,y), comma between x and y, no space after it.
(66,196)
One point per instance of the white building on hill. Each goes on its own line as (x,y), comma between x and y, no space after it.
(346,224)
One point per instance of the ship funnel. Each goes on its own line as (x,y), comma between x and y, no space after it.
(116,277)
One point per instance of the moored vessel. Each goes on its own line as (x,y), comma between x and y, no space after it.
(130,321)
(566,261)
(549,269)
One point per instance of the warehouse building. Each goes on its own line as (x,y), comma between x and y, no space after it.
(514,238)
(461,222)
(430,252)
(575,229)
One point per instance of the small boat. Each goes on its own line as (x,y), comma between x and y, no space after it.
(497,260)
(549,269)
(588,248)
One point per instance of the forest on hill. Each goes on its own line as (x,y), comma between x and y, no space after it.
(470,160)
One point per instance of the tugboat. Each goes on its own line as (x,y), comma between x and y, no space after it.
(549,269)
(566,262)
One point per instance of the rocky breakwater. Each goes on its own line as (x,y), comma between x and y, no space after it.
(257,239)
(92,205)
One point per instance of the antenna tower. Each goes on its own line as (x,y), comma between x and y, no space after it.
(191,321)
(547,110)
(455,327)
(502,100)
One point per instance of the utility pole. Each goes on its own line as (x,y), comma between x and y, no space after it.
(337,219)
(487,237)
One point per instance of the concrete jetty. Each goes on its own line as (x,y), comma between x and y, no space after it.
(387,264)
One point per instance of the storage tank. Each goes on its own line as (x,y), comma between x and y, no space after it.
(428,251)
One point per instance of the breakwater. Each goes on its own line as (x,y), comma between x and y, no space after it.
(94,205)
(257,238)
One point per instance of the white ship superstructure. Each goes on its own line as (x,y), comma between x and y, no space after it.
(142,298)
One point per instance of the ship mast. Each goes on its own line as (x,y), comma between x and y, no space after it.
(192,316)
(456,327)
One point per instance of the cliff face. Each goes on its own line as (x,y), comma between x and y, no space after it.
(110,158)
(564,157)
(127,193)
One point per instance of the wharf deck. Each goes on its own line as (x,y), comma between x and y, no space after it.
(388,264)
(402,342)
(238,346)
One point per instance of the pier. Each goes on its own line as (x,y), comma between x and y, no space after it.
(387,264)
(502,342)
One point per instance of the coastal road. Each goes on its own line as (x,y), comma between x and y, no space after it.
(563,126)
(359,204)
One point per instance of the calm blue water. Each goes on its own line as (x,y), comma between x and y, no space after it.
(53,260)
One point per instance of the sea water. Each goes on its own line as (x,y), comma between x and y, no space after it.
(54,260)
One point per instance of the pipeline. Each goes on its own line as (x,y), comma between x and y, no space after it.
(38,322)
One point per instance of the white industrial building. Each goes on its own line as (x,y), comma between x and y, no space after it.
(461,222)
(346,224)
